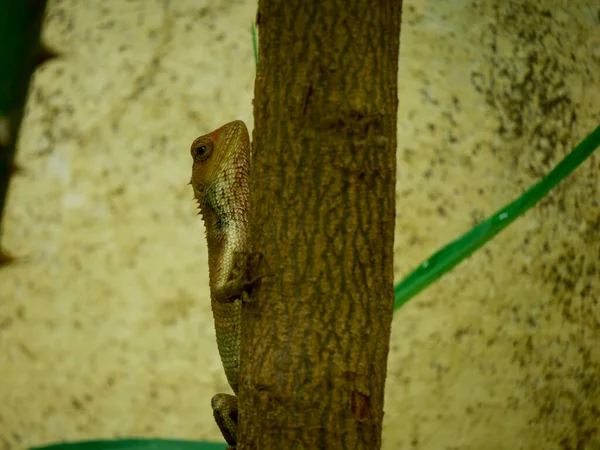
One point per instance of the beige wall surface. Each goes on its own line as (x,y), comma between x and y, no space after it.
(105,325)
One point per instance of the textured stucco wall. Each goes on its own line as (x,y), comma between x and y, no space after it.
(105,326)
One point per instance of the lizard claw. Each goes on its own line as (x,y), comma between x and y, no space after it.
(253,273)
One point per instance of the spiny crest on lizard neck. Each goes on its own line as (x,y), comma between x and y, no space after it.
(220,175)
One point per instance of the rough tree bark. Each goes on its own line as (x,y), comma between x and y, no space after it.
(315,340)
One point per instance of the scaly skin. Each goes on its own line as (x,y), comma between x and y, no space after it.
(220,182)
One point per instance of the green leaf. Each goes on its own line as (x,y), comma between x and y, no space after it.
(137,444)
(449,256)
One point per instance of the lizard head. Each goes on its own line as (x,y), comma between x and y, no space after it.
(220,160)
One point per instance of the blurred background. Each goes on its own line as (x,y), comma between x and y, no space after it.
(105,323)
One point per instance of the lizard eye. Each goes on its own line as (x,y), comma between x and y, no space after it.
(202,152)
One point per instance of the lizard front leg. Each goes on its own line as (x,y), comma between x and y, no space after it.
(245,274)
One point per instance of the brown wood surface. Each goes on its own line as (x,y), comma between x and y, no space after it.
(315,341)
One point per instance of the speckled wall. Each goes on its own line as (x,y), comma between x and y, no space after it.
(105,326)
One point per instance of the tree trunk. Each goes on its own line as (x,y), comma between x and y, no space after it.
(316,337)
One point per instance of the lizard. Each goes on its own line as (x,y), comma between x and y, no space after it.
(220,172)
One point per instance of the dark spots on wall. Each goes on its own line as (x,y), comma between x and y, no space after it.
(110,381)
(460,333)
(527,86)
(77,404)
(526,82)
(477,216)
(564,380)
